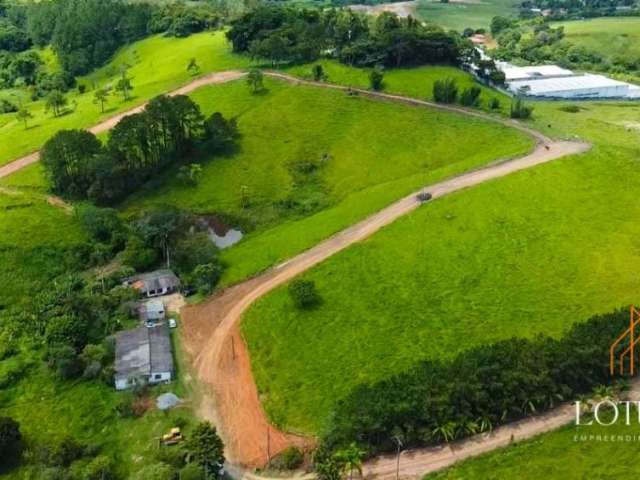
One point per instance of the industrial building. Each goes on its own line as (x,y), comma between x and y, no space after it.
(551,81)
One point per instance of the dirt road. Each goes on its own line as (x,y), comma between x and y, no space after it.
(211,330)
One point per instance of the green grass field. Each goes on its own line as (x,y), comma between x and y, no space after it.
(564,454)
(610,37)
(151,74)
(529,253)
(374,152)
(460,15)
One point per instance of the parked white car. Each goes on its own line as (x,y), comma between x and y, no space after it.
(172,323)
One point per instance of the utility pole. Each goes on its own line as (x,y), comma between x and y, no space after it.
(398,440)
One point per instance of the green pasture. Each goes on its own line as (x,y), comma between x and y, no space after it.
(612,37)
(458,15)
(530,253)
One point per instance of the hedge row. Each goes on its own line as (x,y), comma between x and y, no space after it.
(479,389)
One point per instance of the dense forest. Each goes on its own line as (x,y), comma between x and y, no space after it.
(76,31)
(575,9)
(284,35)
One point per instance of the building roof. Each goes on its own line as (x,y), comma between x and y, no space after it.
(158,280)
(576,83)
(143,351)
(154,305)
(512,73)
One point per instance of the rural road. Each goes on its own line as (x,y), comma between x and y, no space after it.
(211,332)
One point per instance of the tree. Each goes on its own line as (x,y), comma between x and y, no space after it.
(304,294)
(192,67)
(205,448)
(67,160)
(221,134)
(494,103)
(10,441)
(255,80)
(101,96)
(102,224)
(24,115)
(138,255)
(445,91)
(498,24)
(376,78)
(206,276)
(124,84)
(55,102)
(192,471)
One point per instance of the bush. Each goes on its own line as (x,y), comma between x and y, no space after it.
(317,72)
(471,97)
(304,294)
(156,471)
(570,108)
(192,472)
(520,110)
(10,441)
(488,385)
(376,79)
(290,459)
(494,104)
(445,91)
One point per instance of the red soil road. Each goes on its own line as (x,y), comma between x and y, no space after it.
(211,330)
(109,123)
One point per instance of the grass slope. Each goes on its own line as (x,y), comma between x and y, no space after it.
(611,37)
(458,15)
(529,253)
(374,152)
(151,74)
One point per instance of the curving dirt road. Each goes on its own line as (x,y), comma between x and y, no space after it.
(211,330)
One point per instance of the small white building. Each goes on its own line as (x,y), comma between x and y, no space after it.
(143,355)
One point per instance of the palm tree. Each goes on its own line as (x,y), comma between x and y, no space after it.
(101,96)
(351,458)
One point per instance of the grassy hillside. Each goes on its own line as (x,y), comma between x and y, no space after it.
(529,253)
(458,15)
(557,455)
(151,74)
(610,37)
(367,153)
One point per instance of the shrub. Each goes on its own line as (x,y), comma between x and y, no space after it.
(157,471)
(317,72)
(376,79)
(471,97)
(100,468)
(10,441)
(304,294)
(480,388)
(445,91)
(570,108)
(192,472)
(290,459)
(494,104)
(520,110)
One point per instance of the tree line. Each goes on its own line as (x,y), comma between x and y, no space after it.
(439,401)
(285,34)
(80,167)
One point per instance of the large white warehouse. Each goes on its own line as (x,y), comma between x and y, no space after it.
(551,81)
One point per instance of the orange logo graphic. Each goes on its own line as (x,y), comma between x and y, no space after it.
(629,339)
